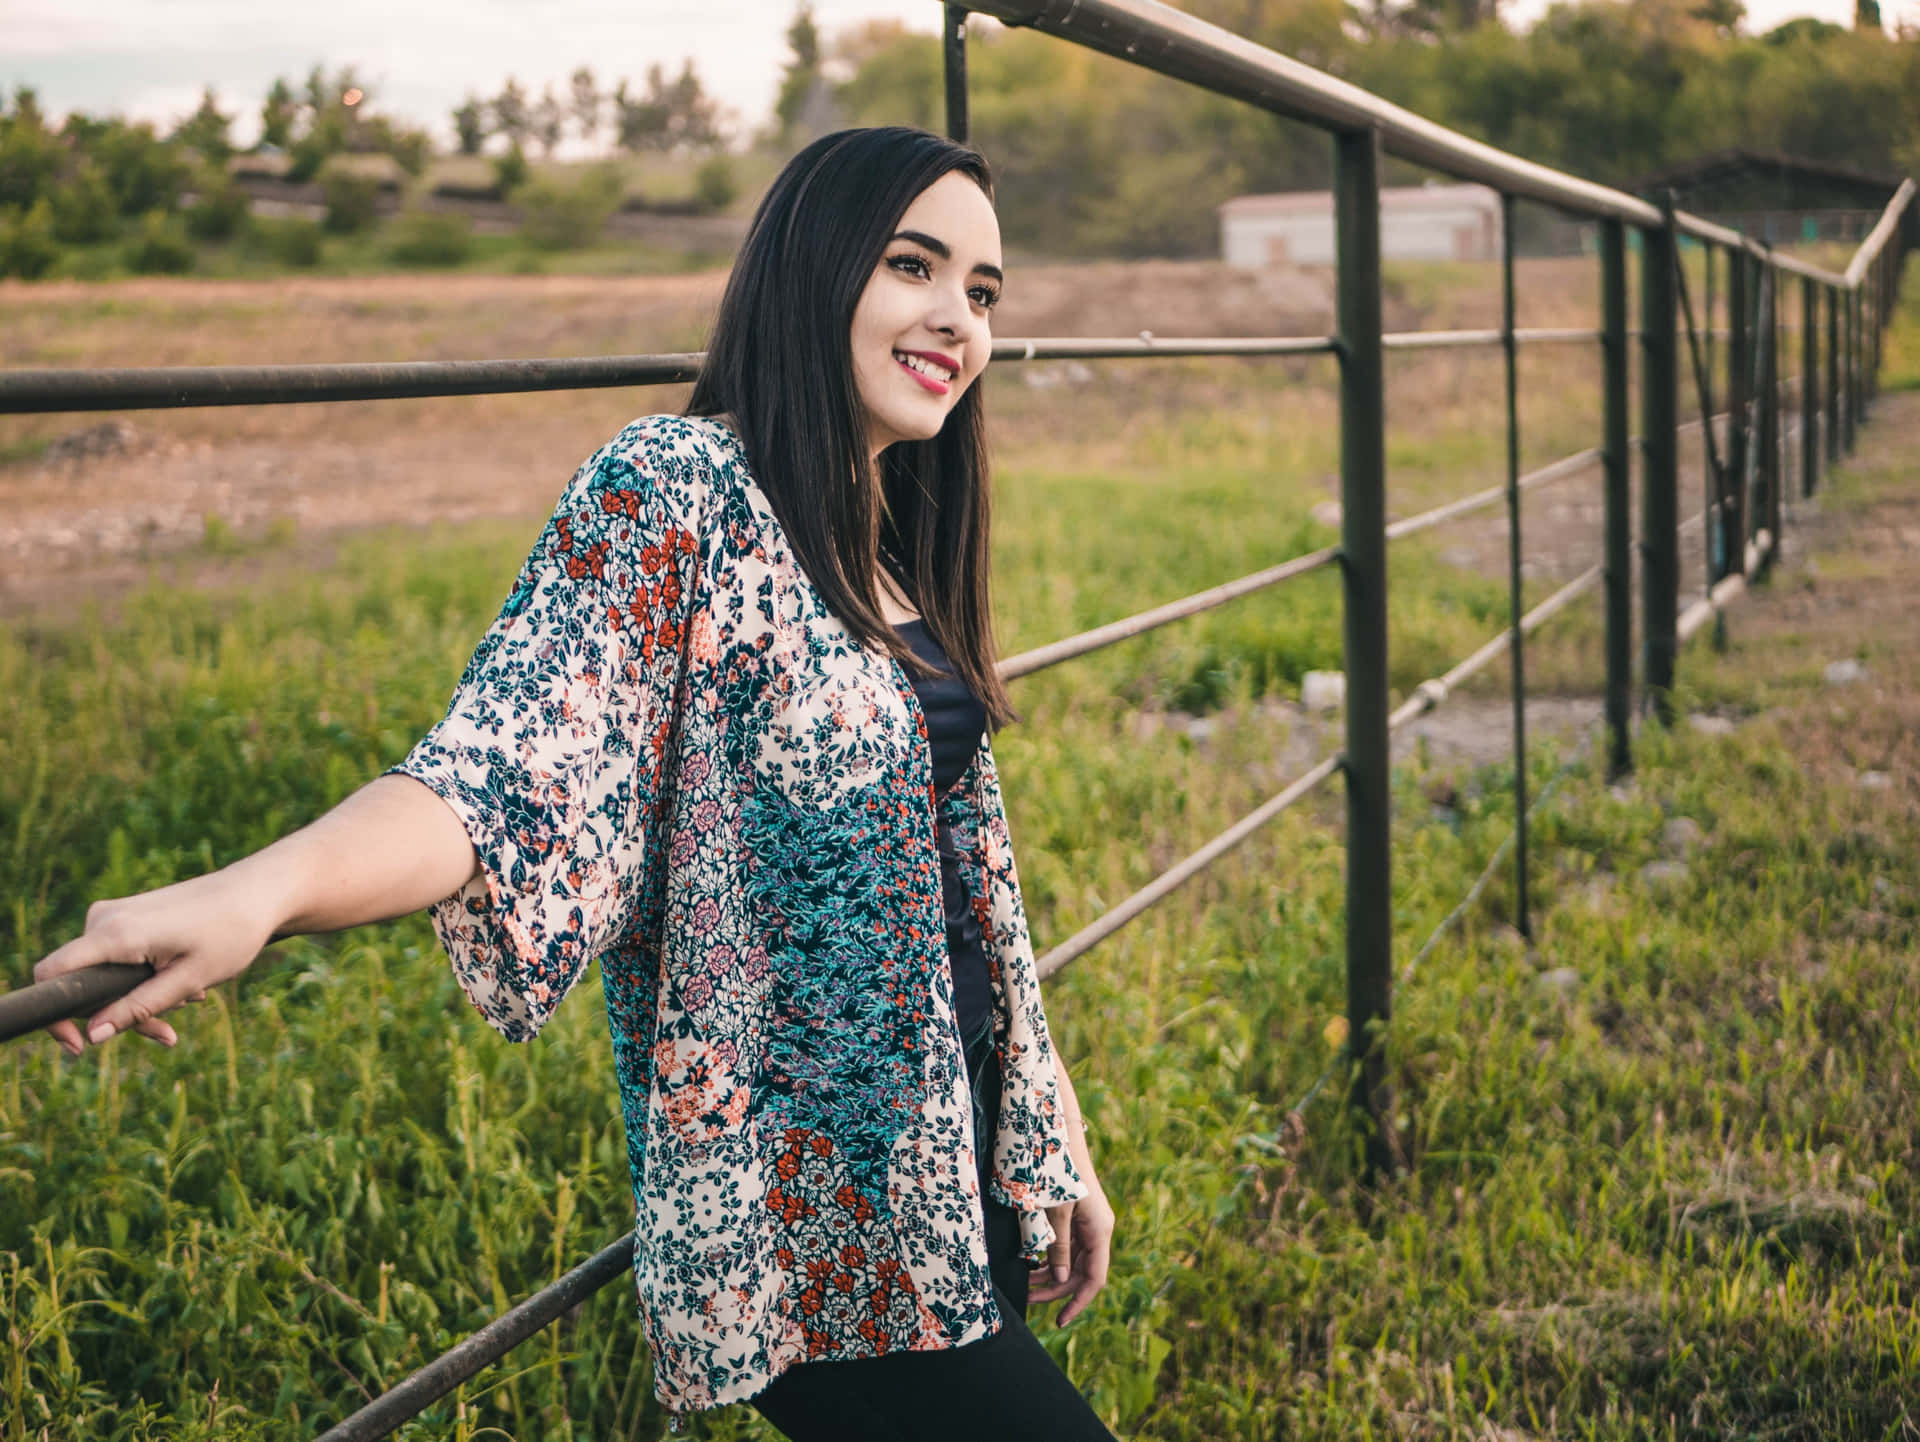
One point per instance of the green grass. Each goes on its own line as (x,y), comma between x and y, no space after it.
(1672,1202)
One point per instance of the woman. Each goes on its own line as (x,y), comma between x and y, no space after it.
(729,735)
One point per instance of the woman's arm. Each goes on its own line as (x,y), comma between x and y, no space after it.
(1082,1230)
(391,848)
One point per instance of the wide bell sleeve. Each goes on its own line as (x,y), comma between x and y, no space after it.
(554,750)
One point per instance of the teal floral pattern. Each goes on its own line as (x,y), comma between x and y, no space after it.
(672,757)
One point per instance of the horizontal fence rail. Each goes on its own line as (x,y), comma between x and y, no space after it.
(1841,319)
(67,389)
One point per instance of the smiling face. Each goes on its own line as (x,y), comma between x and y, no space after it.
(920,331)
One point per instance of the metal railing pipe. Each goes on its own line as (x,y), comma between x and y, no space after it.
(1883,232)
(1660,547)
(1162,39)
(1169,881)
(1431,693)
(1850,384)
(953,58)
(1833,374)
(1517,671)
(1732,491)
(1363,528)
(176,387)
(1488,339)
(28,1008)
(1558,470)
(1767,502)
(1809,387)
(483,1348)
(1618,494)
(1052,654)
(170,387)
(1146,344)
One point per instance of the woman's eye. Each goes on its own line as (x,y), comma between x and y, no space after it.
(910,265)
(984,296)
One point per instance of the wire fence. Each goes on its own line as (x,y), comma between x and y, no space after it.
(1769,436)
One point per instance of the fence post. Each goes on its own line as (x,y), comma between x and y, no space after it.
(1731,553)
(1809,385)
(1833,374)
(953,52)
(1659,509)
(1852,387)
(1767,503)
(1363,540)
(1516,601)
(1619,537)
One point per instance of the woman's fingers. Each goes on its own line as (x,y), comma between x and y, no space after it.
(141,1008)
(91,948)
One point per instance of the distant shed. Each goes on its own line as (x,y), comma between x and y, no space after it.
(1417,222)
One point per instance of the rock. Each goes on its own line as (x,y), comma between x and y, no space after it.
(1681,834)
(1845,672)
(1708,725)
(1201,729)
(1327,513)
(1874,781)
(1323,690)
(1561,981)
(109,438)
(1664,873)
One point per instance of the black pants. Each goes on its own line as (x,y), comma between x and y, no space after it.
(1003,1387)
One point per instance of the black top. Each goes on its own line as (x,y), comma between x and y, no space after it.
(955,723)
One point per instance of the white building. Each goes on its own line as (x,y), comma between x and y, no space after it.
(1418,222)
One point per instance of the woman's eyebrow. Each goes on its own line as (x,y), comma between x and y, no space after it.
(941,249)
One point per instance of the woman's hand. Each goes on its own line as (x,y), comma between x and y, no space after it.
(194,934)
(1076,1264)
(1077,1260)
(390,848)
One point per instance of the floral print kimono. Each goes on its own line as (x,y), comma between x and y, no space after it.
(670,755)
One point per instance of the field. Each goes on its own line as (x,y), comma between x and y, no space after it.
(1661,1160)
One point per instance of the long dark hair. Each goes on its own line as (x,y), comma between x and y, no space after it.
(781,365)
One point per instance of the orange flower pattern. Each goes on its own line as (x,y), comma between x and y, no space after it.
(671,756)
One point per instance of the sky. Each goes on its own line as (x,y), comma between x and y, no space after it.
(150,58)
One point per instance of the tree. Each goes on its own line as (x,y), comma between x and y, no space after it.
(802,70)
(277,115)
(547,122)
(206,130)
(641,123)
(470,125)
(1866,14)
(585,100)
(30,154)
(510,117)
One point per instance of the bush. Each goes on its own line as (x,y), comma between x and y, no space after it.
(29,154)
(83,208)
(353,201)
(295,243)
(510,171)
(219,209)
(144,172)
(28,248)
(568,217)
(427,237)
(160,246)
(714,185)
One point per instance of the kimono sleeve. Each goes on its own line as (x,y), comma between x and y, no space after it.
(553,750)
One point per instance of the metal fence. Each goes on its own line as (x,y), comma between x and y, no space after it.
(1771,435)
